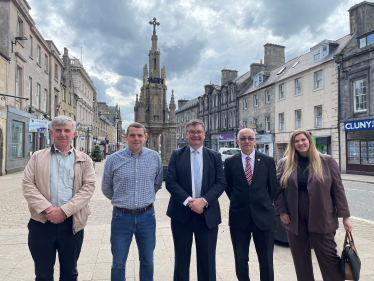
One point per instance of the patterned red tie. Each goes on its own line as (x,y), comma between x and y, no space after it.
(248,170)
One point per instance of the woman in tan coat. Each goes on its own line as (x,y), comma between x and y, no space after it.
(309,200)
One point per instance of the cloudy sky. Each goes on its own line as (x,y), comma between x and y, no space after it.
(197,38)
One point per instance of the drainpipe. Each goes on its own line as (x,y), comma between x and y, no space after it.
(340,65)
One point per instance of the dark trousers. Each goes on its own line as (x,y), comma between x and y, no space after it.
(45,240)
(264,243)
(206,242)
(324,246)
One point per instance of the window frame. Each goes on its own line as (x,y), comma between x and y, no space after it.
(45,100)
(281,121)
(267,124)
(267,96)
(318,116)
(354,95)
(316,81)
(38,96)
(298,86)
(38,54)
(281,91)
(21,139)
(245,105)
(255,100)
(298,120)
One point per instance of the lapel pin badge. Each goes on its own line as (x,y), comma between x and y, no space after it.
(258,159)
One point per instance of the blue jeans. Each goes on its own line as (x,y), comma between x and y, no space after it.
(124,226)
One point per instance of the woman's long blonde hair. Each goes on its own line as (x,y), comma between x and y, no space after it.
(291,159)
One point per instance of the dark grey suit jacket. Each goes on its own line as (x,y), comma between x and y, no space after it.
(255,201)
(179,184)
(327,199)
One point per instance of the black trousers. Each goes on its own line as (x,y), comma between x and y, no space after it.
(45,240)
(206,242)
(323,244)
(264,243)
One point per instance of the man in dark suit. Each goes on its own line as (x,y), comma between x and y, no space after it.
(251,186)
(195,180)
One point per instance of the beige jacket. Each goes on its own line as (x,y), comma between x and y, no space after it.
(36,189)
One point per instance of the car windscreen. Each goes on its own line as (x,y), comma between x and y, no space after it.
(233,151)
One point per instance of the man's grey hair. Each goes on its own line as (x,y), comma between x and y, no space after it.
(63,120)
(195,122)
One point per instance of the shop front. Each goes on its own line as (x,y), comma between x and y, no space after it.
(264,144)
(323,144)
(26,133)
(360,146)
(227,140)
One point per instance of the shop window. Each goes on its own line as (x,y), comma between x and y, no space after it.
(360,152)
(31,143)
(359,92)
(17,139)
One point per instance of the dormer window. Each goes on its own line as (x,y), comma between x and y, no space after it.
(367,40)
(320,52)
(259,80)
(316,55)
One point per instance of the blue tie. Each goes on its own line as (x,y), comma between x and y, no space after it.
(197,174)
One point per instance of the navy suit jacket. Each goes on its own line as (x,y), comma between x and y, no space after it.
(179,184)
(255,201)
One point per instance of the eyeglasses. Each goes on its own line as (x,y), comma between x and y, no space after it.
(195,133)
(243,139)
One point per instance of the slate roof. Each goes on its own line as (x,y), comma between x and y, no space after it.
(102,117)
(189,104)
(305,62)
(240,78)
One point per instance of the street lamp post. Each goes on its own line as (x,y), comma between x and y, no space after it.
(117,134)
(88,138)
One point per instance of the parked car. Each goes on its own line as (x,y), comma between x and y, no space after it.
(228,152)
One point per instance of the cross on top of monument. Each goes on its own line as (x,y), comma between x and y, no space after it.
(154,23)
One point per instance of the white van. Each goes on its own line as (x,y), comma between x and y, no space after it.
(228,152)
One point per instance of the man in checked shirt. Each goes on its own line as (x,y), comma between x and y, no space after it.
(131,179)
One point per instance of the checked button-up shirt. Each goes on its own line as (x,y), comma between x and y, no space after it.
(132,182)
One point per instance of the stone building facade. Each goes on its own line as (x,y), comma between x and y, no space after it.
(33,79)
(84,89)
(3,110)
(152,109)
(356,87)
(306,97)
(68,98)
(257,101)
(113,115)
(187,109)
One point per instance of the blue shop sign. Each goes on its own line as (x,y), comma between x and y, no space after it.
(359,125)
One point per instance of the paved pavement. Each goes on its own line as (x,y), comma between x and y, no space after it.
(94,263)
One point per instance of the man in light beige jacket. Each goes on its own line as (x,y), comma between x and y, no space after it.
(58,183)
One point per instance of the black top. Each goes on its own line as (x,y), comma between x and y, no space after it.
(302,172)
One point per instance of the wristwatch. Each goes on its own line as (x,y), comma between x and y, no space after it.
(206,202)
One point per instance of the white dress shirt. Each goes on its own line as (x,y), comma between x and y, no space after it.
(200,159)
(252,160)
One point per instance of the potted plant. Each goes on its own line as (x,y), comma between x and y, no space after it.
(96,154)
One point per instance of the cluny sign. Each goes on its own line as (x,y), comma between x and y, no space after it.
(359,125)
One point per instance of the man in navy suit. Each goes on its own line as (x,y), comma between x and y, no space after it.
(251,186)
(195,180)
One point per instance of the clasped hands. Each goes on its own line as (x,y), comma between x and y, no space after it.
(55,214)
(197,205)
